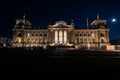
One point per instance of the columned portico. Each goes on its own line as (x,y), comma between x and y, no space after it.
(60,32)
(60,37)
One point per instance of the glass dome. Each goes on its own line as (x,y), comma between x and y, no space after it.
(61,22)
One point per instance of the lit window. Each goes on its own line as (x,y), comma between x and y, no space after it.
(28,35)
(4,45)
(118,45)
(19,40)
(26,45)
(93,34)
(80,40)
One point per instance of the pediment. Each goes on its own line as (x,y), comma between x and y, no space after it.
(60,24)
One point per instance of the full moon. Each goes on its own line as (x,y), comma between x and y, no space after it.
(113,20)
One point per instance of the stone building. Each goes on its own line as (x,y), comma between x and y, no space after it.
(61,34)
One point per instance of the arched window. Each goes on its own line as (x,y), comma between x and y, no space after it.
(32,34)
(45,35)
(102,41)
(40,34)
(102,35)
(84,34)
(36,34)
(76,35)
(19,35)
(93,40)
(80,34)
(89,34)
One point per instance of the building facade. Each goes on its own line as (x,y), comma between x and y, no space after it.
(61,34)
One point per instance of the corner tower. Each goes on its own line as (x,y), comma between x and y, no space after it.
(19,31)
(102,31)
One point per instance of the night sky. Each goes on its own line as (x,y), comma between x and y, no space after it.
(40,11)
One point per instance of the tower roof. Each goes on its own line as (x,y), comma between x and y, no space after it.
(23,23)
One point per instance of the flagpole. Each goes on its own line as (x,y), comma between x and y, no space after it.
(24,17)
(87,34)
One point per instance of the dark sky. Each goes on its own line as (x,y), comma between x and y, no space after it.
(40,11)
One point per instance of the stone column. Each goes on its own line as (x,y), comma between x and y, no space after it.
(82,38)
(50,36)
(63,36)
(99,41)
(67,36)
(58,36)
(53,36)
(107,36)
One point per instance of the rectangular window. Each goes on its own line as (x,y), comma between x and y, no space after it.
(36,34)
(85,40)
(93,40)
(32,34)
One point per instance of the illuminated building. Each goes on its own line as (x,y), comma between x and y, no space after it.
(61,34)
